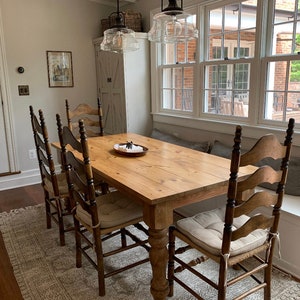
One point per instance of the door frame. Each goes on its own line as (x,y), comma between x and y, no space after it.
(7,109)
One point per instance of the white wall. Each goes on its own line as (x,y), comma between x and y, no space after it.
(31,28)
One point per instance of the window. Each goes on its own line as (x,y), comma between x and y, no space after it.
(178,72)
(244,66)
(282,96)
(231,33)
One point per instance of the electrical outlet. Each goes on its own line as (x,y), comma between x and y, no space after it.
(32,153)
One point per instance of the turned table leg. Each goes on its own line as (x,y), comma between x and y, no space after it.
(158,240)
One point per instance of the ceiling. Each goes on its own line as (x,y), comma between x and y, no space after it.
(114,2)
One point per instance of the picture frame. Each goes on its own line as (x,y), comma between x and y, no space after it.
(60,68)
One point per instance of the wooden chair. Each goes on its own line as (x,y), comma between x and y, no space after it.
(92,117)
(54,184)
(235,108)
(231,235)
(98,218)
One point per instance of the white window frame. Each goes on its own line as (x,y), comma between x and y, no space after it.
(255,123)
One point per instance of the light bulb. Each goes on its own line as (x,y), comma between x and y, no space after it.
(118,40)
(173,28)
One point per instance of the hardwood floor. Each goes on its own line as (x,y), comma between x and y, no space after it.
(13,199)
(21,197)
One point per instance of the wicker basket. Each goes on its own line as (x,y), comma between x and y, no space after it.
(133,20)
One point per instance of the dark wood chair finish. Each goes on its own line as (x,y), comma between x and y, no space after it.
(54,184)
(91,231)
(92,117)
(243,199)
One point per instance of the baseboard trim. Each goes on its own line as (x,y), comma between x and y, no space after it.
(18,180)
(286,267)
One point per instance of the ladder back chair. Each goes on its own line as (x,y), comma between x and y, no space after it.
(54,184)
(92,117)
(99,218)
(241,235)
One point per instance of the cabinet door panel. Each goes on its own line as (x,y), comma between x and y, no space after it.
(111,89)
(123,82)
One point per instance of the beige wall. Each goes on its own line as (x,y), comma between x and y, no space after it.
(30,28)
(145,7)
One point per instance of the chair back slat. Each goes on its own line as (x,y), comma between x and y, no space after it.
(267,146)
(92,117)
(257,221)
(43,148)
(249,224)
(54,185)
(258,199)
(262,175)
(79,173)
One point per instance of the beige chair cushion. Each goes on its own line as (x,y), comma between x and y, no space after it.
(206,230)
(113,209)
(62,184)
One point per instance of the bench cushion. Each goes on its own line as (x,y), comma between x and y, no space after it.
(293,183)
(159,135)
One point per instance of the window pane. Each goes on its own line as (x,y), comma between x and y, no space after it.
(181,52)
(232,17)
(170,54)
(178,88)
(227,89)
(248,14)
(284,10)
(167,99)
(233,24)
(283,39)
(241,77)
(285,27)
(167,78)
(283,96)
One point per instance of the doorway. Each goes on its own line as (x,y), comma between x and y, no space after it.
(8,164)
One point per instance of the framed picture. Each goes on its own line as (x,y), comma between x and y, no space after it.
(60,68)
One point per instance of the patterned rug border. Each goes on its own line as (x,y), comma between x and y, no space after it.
(42,272)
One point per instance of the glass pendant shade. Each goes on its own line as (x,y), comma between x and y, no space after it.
(172,25)
(118,38)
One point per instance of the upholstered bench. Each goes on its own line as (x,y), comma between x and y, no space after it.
(292,190)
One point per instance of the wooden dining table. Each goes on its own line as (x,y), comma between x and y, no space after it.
(166,177)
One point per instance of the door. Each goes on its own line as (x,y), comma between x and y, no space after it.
(8,159)
(110,76)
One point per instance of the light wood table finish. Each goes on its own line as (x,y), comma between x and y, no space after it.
(165,178)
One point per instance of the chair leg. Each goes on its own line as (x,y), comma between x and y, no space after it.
(61,231)
(48,209)
(78,243)
(267,289)
(60,222)
(123,237)
(222,279)
(171,261)
(100,263)
(268,272)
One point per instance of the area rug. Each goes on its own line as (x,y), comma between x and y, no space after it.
(45,270)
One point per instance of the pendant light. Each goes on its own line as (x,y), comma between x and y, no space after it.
(118,38)
(172,25)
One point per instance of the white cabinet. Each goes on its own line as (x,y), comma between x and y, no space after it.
(123,82)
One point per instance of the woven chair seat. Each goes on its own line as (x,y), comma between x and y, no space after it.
(113,209)
(62,184)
